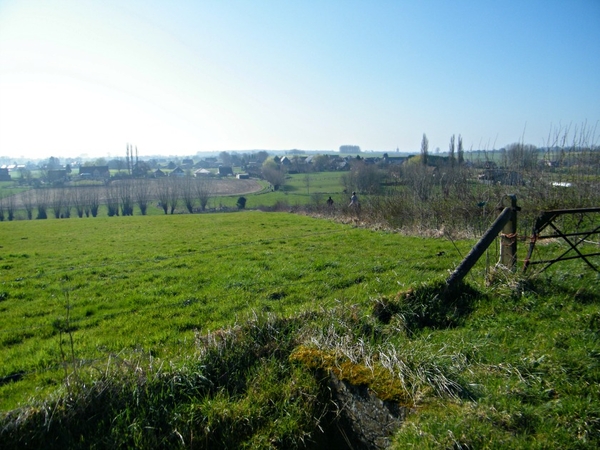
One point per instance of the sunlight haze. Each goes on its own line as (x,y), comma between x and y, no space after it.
(181,77)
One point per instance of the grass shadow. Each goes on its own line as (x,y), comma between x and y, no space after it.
(432,305)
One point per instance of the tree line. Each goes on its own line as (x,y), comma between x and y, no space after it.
(121,197)
(451,194)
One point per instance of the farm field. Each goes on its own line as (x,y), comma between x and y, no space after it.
(303,189)
(513,364)
(299,190)
(147,283)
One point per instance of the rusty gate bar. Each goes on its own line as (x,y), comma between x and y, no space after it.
(564,258)
(554,236)
(545,220)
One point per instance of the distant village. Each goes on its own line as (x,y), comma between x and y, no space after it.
(240,165)
(502,166)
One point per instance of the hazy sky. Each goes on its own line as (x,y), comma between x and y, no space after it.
(178,77)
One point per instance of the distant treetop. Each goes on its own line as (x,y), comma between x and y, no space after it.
(349,149)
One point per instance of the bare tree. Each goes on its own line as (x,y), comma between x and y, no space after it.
(419,179)
(57,198)
(188,193)
(164,193)
(28,199)
(272,172)
(112,200)
(362,177)
(11,207)
(67,203)
(125,189)
(142,193)
(78,199)
(307,180)
(42,198)
(522,156)
(225,158)
(7,208)
(92,201)
(174,193)
(204,190)
(129,159)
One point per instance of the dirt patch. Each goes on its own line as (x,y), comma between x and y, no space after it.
(363,420)
(236,187)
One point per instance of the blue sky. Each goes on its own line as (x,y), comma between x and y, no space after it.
(180,77)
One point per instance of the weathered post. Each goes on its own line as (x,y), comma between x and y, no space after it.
(508,237)
(508,214)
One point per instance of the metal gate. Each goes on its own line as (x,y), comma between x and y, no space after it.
(547,221)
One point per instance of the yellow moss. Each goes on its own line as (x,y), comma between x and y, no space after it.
(383,383)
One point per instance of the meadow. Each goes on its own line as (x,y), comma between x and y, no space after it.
(148,283)
(223,330)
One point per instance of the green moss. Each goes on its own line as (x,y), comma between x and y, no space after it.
(383,383)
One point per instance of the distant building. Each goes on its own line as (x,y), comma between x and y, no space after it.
(253,168)
(4,175)
(242,176)
(207,163)
(394,159)
(202,173)
(94,172)
(56,175)
(224,171)
(177,172)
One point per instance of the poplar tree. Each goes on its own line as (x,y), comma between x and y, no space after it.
(424,150)
(451,151)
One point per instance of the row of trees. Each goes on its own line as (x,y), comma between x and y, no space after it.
(120,197)
(456,154)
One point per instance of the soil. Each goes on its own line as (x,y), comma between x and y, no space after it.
(358,419)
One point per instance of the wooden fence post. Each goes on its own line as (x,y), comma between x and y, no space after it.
(508,237)
(508,215)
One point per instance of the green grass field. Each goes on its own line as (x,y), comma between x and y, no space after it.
(299,190)
(149,282)
(8,188)
(517,366)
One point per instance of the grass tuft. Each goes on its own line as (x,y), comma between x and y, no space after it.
(433,305)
